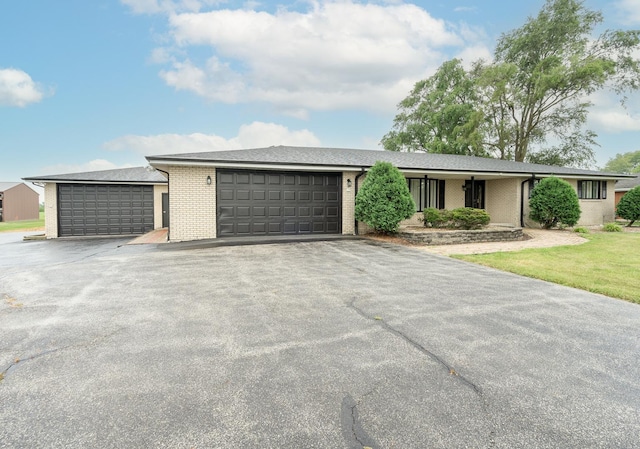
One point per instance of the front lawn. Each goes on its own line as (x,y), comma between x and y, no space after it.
(25,225)
(609,263)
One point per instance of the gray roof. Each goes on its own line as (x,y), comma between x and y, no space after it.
(627,184)
(120,175)
(4,186)
(345,157)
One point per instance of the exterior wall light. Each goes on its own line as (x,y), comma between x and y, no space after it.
(208,180)
(348,183)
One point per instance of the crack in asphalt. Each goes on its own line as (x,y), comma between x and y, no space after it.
(476,389)
(85,344)
(352,430)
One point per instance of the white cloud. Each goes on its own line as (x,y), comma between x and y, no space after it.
(94,165)
(256,134)
(465,9)
(166,6)
(18,89)
(630,11)
(335,55)
(615,120)
(471,54)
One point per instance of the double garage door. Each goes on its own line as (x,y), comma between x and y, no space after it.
(277,203)
(100,209)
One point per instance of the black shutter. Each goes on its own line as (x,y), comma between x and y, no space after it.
(441,194)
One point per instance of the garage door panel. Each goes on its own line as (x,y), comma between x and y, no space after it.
(278,203)
(275,227)
(226,194)
(96,209)
(259,227)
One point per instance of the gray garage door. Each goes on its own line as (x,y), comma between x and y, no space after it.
(99,209)
(278,203)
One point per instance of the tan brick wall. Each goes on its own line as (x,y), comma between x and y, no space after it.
(502,200)
(592,212)
(192,205)
(349,202)
(158,190)
(597,212)
(453,193)
(51,210)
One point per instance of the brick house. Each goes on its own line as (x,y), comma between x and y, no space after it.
(624,185)
(285,190)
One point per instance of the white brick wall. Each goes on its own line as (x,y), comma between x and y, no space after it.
(192,203)
(51,210)
(348,202)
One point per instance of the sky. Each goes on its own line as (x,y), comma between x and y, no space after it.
(99,84)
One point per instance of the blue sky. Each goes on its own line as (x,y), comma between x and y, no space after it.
(91,85)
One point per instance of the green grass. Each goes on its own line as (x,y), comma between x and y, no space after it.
(608,263)
(25,225)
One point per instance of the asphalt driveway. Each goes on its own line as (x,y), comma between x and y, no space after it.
(342,344)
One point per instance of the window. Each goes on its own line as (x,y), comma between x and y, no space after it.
(427,193)
(532,184)
(592,190)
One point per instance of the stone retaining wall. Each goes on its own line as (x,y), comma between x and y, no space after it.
(454,237)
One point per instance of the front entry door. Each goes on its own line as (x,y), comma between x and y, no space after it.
(474,194)
(165,210)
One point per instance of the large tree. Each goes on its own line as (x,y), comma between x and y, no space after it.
(536,89)
(439,115)
(624,163)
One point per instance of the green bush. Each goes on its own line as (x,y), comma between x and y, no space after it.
(469,218)
(629,206)
(384,200)
(612,227)
(554,202)
(581,230)
(436,218)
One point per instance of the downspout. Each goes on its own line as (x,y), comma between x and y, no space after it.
(533,177)
(355,181)
(169,196)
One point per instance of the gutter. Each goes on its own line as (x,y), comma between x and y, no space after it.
(362,172)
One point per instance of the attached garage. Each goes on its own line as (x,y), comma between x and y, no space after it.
(102,209)
(277,203)
(124,201)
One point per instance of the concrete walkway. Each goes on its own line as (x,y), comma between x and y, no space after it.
(155,236)
(537,238)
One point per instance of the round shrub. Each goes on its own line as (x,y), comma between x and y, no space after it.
(470,218)
(629,206)
(554,202)
(434,218)
(581,230)
(384,200)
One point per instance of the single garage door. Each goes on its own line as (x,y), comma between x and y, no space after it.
(99,209)
(278,203)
